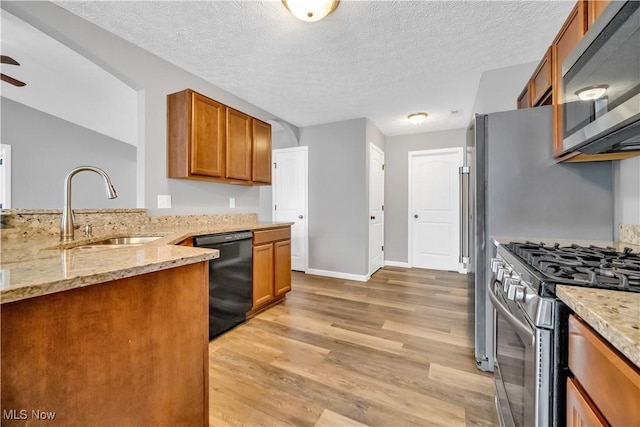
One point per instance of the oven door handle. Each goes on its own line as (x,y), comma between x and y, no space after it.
(521,328)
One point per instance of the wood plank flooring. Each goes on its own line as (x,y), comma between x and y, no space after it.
(395,351)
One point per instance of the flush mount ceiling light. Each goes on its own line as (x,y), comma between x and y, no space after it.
(417,118)
(592,92)
(310,10)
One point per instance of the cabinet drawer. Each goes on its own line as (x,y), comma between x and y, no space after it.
(580,411)
(610,380)
(271,235)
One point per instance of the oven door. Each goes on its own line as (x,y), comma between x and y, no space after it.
(515,364)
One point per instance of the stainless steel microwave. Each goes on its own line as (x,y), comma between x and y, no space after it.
(601,84)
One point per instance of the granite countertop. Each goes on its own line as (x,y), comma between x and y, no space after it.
(41,265)
(613,314)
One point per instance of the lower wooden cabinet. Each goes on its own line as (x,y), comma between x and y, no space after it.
(271,267)
(605,388)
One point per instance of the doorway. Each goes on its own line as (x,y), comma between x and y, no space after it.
(434,209)
(290,200)
(376,208)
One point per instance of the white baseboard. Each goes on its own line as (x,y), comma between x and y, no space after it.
(397,264)
(339,275)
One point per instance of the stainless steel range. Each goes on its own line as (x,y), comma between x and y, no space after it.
(531,323)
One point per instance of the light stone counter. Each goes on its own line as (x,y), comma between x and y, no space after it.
(34,263)
(613,314)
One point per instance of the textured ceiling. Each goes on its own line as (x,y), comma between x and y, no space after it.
(376,59)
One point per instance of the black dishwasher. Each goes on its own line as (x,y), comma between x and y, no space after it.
(230,279)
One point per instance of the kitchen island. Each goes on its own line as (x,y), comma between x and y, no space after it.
(106,335)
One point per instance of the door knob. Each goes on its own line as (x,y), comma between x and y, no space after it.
(300,216)
(373,217)
(416,216)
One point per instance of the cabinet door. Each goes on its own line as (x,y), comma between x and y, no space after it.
(541,80)
(282,267)
(207,136)
(569,36)
(262,274)
(261,152)
(238,145)
(595,9)
(580,412)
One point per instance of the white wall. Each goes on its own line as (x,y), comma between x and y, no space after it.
(39,166)
(153,78)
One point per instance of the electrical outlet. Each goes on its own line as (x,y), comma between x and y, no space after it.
(232,202)
(164,201)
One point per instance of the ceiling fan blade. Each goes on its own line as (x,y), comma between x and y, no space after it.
(11,80)
(8,60)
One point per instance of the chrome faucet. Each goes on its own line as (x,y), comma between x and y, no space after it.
(66,225)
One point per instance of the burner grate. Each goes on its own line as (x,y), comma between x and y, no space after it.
(593,266)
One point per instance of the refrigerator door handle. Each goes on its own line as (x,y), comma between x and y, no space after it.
(464,215)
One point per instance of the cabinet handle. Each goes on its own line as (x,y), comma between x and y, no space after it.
(300,216)
(373,217)
(416,216)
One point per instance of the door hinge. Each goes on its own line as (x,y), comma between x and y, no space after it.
(383,249)
(383,166)
(275,165)
(383,207)
(275,207)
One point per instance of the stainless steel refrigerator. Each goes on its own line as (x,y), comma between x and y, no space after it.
(511,187)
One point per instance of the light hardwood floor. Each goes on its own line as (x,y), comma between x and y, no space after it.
(395,351)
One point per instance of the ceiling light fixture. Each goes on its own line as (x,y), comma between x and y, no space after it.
(310,10)
(592,92)
(417,118)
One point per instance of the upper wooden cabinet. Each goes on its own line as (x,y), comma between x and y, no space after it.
(206,140)
(545,85)
(195,136)
(261,152)
(540,83)
(238,145)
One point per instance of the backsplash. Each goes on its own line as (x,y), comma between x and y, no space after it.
(29,223)
(630,233)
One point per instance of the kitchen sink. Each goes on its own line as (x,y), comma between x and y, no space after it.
(132,240)
(119,241)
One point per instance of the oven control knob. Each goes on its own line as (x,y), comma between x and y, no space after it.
(516,293)
(495,264)
(502,273)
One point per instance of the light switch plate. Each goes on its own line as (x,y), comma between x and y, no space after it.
(164,201)
(232,202)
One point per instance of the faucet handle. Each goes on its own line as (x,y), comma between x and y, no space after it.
(87,230)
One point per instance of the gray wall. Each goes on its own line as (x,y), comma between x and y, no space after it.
(338,226)
(499,89)
(396,187)
(39,166)
(627,191)
(154,78)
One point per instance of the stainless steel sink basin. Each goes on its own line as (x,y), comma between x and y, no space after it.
(132,240)
(115,242)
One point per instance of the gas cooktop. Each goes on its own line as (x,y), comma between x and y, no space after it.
(590,266)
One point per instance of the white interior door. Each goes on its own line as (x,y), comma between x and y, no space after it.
(376,208)
(290,187)
(434,234)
